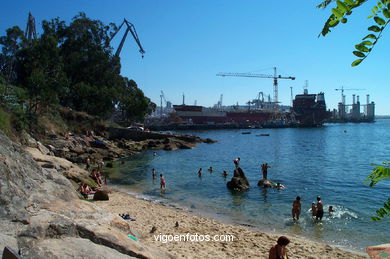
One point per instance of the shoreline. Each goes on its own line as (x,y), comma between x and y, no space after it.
(250,241)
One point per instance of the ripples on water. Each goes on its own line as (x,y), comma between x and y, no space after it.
(309,162)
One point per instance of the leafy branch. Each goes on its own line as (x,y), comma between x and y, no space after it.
(380,173)
(380,16)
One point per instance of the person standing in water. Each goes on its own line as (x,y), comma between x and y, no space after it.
(200,172)
(279,250)
(153,173)
(162,182)
(296,209)
(320,208)
(313,209)
(264,169)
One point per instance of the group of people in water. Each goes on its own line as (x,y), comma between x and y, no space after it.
(317,210)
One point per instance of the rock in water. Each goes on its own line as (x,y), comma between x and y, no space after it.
(265,183)
(239,181)
(101,195)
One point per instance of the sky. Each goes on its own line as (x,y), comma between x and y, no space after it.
(188,42)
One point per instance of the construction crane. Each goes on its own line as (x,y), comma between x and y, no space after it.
(130,28)
(275,77)
(342,89)
(30,32)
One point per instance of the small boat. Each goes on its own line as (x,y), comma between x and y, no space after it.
(246,132)
(263,135)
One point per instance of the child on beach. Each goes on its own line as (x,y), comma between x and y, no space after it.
(162,182)
(279,251)
(313,209)
(296,209)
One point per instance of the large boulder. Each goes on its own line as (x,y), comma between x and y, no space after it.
(101,195)
(239,181)
(41,215)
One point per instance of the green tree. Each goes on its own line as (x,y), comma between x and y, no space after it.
(41,73)
(132,103)
(380,15)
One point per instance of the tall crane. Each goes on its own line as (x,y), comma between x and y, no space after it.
(342,89)
(31,32)
(275,77)
(130,28)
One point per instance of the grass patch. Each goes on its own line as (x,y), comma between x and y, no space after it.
(5,122)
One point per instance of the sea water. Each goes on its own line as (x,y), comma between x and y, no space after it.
(332,161)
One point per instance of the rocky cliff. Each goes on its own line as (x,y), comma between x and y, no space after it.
(41,215)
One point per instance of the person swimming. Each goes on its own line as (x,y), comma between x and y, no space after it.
(279,186)
(331,209)
(224,173)
(210,169)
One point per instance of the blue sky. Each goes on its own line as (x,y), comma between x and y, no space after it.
(188,42)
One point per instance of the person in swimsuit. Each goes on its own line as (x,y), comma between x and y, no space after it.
(153,173)
(237,162)
(162,182)
(313,209)
(224,174)
(331,209)
(296,209)
(264,169)
(200,172)
(279,250)
(320,208)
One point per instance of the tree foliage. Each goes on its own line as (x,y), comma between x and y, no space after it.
(381,172)
(70,65)
(380,16)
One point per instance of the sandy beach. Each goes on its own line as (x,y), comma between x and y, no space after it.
(247,243)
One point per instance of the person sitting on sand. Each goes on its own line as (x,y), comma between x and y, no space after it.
(331,209)
(95,174)
(224,174)
(313,209)
(98,177)
(200,172)
(320,208)
(153,173)
(296,209)
(85,190)
(279,250)
(162,182)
